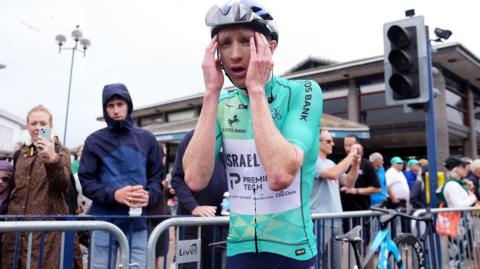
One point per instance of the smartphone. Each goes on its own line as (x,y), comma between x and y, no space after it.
(46,133)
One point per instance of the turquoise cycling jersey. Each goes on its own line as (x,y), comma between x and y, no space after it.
(262,220)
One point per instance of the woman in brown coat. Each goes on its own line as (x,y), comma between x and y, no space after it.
(41,179)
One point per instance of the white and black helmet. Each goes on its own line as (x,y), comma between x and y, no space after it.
(242,13)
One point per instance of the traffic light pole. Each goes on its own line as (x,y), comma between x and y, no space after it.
(431,129)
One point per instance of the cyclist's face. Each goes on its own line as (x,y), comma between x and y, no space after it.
(234,49)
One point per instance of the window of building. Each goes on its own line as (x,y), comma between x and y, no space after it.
(374,111)
(144,121)
(181,115)
(456,100)
(337,107)
(476,108)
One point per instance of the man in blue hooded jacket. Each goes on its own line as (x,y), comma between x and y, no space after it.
(121,168)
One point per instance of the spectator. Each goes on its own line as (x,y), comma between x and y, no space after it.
(358,197)
(83,202)
(161,208)
(397,182)
(413,168)
(400,192)
(454,193)
(325,197)
(42,177)
(474,177)
(469,161)
(423,163)
(204,203)
(6,171)
(121,168)
(417,194)
(76,161)
(379,199)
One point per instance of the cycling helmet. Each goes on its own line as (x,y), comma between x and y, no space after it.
(242,13)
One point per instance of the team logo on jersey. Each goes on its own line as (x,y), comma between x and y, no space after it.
(299,252)
(307,101)
(236,106)
(276,113)
(233,120)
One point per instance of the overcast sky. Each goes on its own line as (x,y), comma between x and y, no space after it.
(156,47)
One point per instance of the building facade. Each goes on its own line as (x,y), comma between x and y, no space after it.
(11,129)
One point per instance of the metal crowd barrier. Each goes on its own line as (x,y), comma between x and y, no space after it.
(437,248)
(461,251)
(63,226)
(180,221)
(328,224)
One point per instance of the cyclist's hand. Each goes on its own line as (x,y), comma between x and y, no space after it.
(212,69)
(261,63)
(204,211)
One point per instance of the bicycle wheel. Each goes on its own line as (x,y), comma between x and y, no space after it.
(411,251)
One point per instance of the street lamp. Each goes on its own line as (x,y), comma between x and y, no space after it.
(77,36)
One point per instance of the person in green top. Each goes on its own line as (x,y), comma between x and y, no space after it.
(76,163)
(269,129)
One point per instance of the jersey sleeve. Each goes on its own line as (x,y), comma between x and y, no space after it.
(302,123)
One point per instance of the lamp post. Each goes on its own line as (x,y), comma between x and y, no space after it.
(77,36)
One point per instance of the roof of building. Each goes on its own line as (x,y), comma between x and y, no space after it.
(451,56)
(7,115)
(310,62)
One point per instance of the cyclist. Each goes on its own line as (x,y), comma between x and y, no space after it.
(269,129)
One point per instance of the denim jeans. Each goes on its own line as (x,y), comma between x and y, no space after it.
(104,248)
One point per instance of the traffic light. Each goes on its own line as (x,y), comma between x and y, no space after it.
(406,62)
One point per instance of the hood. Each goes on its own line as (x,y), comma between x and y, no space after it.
(121,91)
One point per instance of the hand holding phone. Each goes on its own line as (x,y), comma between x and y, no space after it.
(45,133)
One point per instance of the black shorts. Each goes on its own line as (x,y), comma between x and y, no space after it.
(268,260)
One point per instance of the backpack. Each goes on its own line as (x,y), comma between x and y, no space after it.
(70,195)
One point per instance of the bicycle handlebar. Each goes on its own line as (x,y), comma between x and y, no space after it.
(426,218)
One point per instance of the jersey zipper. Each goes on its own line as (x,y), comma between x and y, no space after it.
(255,221)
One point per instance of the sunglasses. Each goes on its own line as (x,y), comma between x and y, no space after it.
(5,179)
(328,141)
